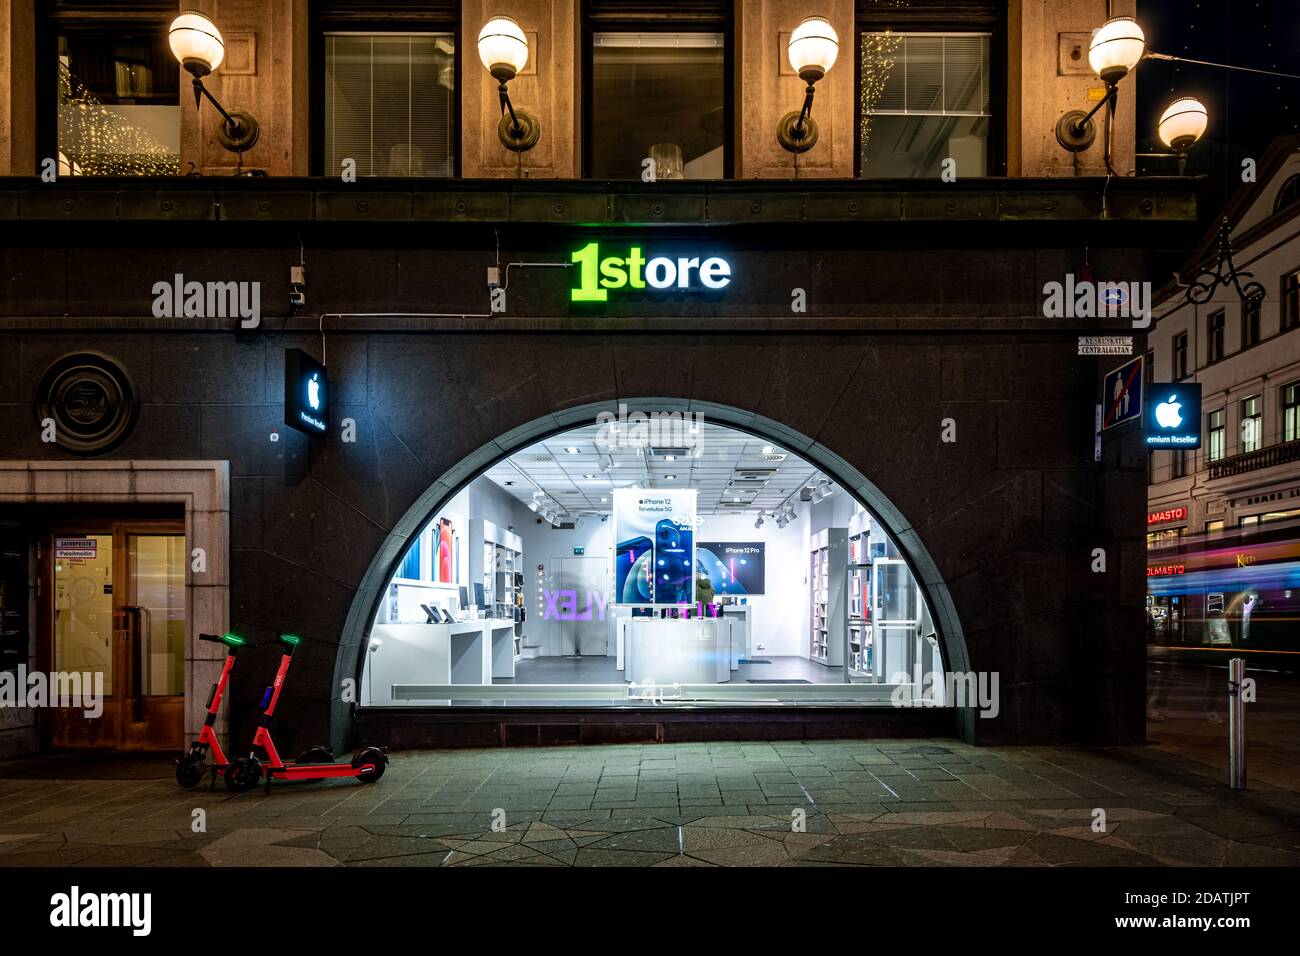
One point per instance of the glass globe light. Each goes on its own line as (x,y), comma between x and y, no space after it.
(1116,47)
(1183,123)
(196,43)
(813,48)
(502,47)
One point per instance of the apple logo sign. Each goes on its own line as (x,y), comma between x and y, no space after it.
(1167,413)
(313,391)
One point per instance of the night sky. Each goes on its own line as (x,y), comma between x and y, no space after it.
(1247,111)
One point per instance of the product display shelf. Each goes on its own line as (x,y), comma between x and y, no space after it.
(859,597)
(828,625)
(500,570)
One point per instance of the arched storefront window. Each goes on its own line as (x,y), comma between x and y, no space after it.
(652,556)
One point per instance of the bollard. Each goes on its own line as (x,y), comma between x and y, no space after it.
(1236,725)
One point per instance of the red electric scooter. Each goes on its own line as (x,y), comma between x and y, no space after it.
(367,764)
(191,767)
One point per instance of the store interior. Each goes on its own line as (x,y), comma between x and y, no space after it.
(752,577)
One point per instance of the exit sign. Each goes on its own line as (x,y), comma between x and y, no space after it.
(579,552)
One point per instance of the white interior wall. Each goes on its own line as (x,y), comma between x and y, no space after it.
(779,621)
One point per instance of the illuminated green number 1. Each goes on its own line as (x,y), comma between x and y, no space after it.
(588,261)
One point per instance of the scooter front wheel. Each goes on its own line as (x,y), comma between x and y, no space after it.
(243,774)
(370,764)
(189,771)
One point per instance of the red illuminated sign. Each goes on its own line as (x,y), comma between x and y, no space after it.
(1166,569)
(1173,514)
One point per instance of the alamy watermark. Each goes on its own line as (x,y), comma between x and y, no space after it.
(36,689)
(636,430)
(977,689)
(179,299)
(1084,299)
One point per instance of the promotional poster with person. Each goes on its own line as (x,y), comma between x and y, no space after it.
(654,534)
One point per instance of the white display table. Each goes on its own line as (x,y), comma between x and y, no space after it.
(678,651)
(469,652)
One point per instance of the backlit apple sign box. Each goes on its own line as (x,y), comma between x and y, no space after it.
(1173,416)
(306,393)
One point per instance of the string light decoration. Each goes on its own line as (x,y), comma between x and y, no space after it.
(878,59)
(95,141)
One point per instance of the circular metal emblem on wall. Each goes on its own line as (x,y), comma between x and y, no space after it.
(92,401)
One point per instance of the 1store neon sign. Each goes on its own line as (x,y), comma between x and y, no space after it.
(597,275)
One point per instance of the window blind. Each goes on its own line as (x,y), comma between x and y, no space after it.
(389,103)
(926,74)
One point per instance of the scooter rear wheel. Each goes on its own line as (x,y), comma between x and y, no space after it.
(373,756)
(242,775)
(189,771)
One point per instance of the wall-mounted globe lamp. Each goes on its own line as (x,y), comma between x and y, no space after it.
(196,43)
(1181,126)
(1117,47)
(813,47)
(503,48)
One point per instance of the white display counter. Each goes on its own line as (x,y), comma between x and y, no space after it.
(469,652)
(678,651)
(741,618)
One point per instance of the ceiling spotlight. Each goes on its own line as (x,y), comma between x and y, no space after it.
(533,505)
(589,477)
(570,450)
(759,522)
(670,477)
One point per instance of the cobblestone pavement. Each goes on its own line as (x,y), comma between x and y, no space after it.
(874,803)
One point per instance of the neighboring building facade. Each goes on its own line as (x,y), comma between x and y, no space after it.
(1228,514)
(869,314)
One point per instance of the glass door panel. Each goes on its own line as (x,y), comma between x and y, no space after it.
(156,569)
(83,606)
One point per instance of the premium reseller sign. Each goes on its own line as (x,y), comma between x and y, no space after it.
(306,393)
(1173,417)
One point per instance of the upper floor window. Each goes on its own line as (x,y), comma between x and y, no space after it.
(1288,195)
(1177,464)
(1180,355)
(1291,301)
(390,103)
(1214,426)
(1214,325)
(1250,311)
(1252,424)
(113,93)
(1291,411)
(657,103)
(923,99)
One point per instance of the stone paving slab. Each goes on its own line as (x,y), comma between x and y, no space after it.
(854,802)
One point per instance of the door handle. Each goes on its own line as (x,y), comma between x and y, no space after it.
(137,614)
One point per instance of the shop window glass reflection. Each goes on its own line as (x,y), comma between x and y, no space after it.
(118,104)
(923,98)
(659,97)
